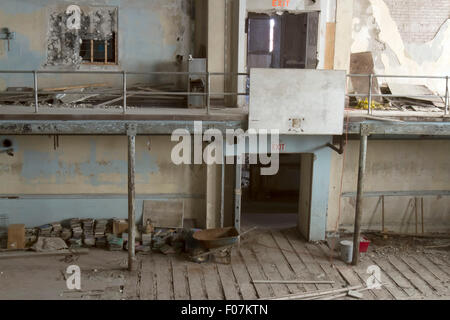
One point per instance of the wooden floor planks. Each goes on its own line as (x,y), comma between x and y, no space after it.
(283,255)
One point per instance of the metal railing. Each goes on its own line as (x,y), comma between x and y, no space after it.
(124,91)
(208,92)
(371,95)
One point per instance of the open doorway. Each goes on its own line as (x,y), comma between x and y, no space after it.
(282,41)
(271,201)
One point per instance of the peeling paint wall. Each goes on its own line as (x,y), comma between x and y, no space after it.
(390,30)
(93,168)
(63,44)
(150,36)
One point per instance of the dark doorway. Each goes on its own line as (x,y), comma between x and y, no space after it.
(282,41)
(272,201)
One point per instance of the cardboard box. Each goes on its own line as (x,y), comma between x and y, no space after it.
(120,226)
(16,236)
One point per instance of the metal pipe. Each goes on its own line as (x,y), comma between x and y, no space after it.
(124,92)
(128,72)
(359,197)
(423,227)
(222,191)
(416,213)
(131,198)
(36,100)
(394,76)
(391,95)
(369,102)
(208,97)
(383,229)
(238,193)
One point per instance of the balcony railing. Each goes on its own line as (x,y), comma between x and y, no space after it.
(207,90)
(124,91)
(370,95)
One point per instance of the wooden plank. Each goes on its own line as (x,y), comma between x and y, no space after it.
(325,263)
(163,213)
(397,277)
(361,271)
(276,258)
(440,263)
(31,254)
(421,285)
(212,282)
(131,285)
(180,281)
(348,274)
(228,282)
(425,274)
(81,86)
(269,269)
(295,263)
(389,285)
(304,255)
(243,278)
(195,281)
(255,273)
(163,277)
(330,39)
(430,266)
(146,286)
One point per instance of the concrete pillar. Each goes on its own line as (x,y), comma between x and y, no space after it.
(313,200)
(216,43)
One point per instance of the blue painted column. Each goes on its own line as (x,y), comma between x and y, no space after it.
(319,191)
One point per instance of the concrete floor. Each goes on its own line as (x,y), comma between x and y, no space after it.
(408,271)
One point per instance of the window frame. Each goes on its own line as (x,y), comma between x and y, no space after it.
(106,62)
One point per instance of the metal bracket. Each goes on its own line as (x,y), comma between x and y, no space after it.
(131,129)
(341,146)
(365,129)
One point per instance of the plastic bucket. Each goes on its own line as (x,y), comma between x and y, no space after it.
(346,250)
(364,244)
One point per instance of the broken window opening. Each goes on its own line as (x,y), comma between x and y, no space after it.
(99,51)
(282,41)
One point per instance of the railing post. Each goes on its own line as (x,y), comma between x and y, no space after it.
(124,92)
(208,97)
(369,105)
(446,96)
(35,84)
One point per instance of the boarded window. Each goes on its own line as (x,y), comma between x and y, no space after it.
(99,51)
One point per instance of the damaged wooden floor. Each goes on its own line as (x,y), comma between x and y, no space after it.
(268,255)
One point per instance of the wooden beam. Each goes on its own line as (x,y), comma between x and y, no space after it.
(330,37)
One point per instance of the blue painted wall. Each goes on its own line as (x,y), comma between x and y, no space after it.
(151,35)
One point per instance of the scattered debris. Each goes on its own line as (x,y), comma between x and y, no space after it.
(46,244)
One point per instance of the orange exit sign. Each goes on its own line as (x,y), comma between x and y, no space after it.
(280,3)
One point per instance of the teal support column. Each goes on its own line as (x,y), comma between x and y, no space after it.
(314,191)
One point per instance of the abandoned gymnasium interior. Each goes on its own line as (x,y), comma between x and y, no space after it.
(224,150)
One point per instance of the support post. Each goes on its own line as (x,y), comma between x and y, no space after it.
(359,193)
(124,92)
(208,96)
(222,190)
(131,134)
(383,228)
(36,100)
(238,193)
(369,100)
